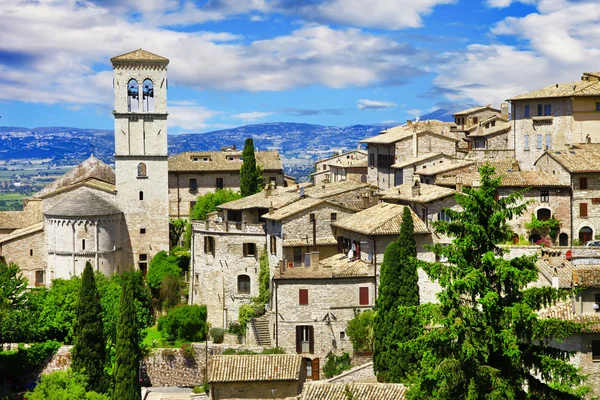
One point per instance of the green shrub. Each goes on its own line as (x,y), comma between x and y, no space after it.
(274,350)
(236,328)
(187,351)
(335,365)
(17,364)
(161,265)
(61,385)
(217,334)
(185,323)
(240,352)
(360,330)
(170,290)
(245,315)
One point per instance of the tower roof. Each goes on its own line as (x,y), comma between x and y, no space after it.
(139,56)
(85,204)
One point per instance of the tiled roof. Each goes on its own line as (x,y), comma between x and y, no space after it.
(22,232)
(348,163)
(420,159)
(473,110)
(358,391)
(139,55)
(328,241)
(444,167)
(31,214)
(501,127)
(579,158)
(255,368)
(90,168)
(382,219)
(401,132)
(337,266)
(299,206)
(588,277)
(222,161)
(547,271)
(427,193)
(83,204)
(568,89)
(590,323)
(361,152)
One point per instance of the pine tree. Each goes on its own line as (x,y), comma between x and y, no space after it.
(484,340)
(126,374)
(89,350)
(397,299)
(250,174)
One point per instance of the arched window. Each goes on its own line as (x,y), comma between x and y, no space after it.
(563,239)
(533,239)
(141,172)
(141,195)
(133,102)
(585,234)
(243,284)
(148,95)
(82,244)
(543,214)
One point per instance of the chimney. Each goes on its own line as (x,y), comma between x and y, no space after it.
(504,110)
(358,147)
(271,208)
(588,139)
(415,144)
(555,280)
(459,183)
(515,166)
(268,190)
(314,259)
(409,122)
(416,188)
(366,202)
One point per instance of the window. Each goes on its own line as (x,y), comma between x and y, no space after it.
(309,370)
(597,301)
(312,217)
(493,123)
(540,109)
(141,195)
(583,210)
(385,161)
(143,263)
(82,244)
(303,297)
(324,167)
(249,250)
(342,335)
(143,257)
(539,141)
(548,141)
(273,181)
(148,95)
(585,234)
(443,216)
(363,296)
(583,182)
(598,106)
(193,184)
(243,282)
(527,142)
(544,214)
(333,217)
(142,231)
(141,170)
(273,244)
(595,350)
(133,103)
(526,111)
(371,160)
(544,196)
(563,239)
(209,245)
(305,339)
(547,109)
(30,252)
(595,200)
(40,278)
(192,205)
(475,120)
(219,183)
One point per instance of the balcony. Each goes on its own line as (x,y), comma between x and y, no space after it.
(232,227)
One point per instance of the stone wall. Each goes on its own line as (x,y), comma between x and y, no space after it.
(362,373)
(255,390)
(28,252)
(581,345)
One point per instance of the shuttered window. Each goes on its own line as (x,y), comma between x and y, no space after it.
(595,350)
(526,141)
(583,182)
(363,296)
(583,210)
(303,297)
(305,339)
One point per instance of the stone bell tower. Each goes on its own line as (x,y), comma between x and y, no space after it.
(141,158)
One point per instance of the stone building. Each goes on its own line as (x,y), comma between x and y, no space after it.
(194,174)
(260,376)
(351,165)
(578,168)
(405,145)
(354,390)
(555,118)
(490,139)
(118,219)
(469,120)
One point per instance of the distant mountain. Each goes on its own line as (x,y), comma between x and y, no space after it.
(440,114)
(299,144)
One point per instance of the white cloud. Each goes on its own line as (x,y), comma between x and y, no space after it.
(191,117)
(415,112)
(365,104)
(252,116)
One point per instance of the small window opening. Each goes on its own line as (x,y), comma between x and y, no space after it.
(142,231)
(148,95)
(243,284)
(82,244)
(141,195)
(141,170)
(133,102)
(31,252)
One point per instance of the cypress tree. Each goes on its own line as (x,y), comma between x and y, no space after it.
(89,350)
(398,297)
(126,374)
(250,175)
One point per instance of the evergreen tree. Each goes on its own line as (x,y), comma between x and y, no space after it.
(484,339)
(126,374)
(89,350)
(398,297)
(250,174)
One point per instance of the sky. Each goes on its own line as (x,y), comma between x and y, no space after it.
(328,62)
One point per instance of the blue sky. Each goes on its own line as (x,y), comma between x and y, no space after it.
(330,62)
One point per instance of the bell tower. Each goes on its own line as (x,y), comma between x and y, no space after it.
(141,157)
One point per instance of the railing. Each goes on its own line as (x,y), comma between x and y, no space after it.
(234,227)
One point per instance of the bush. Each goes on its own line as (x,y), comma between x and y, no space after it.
(274,350)
(236,352)
(236,329)
(360,330)
(63,385)
(16,365)
(185,323)
(335,365)
(246,313)
(217,334)
(161,265)
(170,291)
(187,351)
(209,202)
(201,389)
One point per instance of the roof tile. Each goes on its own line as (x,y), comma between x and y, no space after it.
(255,368)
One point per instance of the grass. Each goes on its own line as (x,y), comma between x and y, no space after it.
(153,334)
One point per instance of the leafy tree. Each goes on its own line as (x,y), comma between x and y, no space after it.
(398,289)
(63,385)
(16,365)
(13,287)
(251,179)
(335,365)
(185,323)
(170,291)
(264,280)
(360,330)
(59,309)
(187,237)
(484,340)
(245,315)
(176,228)
(126,379)
(208,203)
(161,265)
(183,257)
(89,350)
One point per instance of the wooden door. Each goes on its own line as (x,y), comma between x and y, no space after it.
(315,369)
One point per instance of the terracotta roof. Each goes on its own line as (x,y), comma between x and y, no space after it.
(590,323)
(382,219)
(31,214)
(359,391)
(427,193)
(500,127)
(299,206)
(255,368)
(547,271)
(222,161)
(23,232)
(401,132)
(568,89)
(83,204)
(444,167)
(90,168)
(337,266)
(588,277)
(473,110)
(328,241)
(364,153)
(420,159)
(579,158)
(348,163)
(139,55)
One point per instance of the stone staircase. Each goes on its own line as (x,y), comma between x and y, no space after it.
(262,334)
